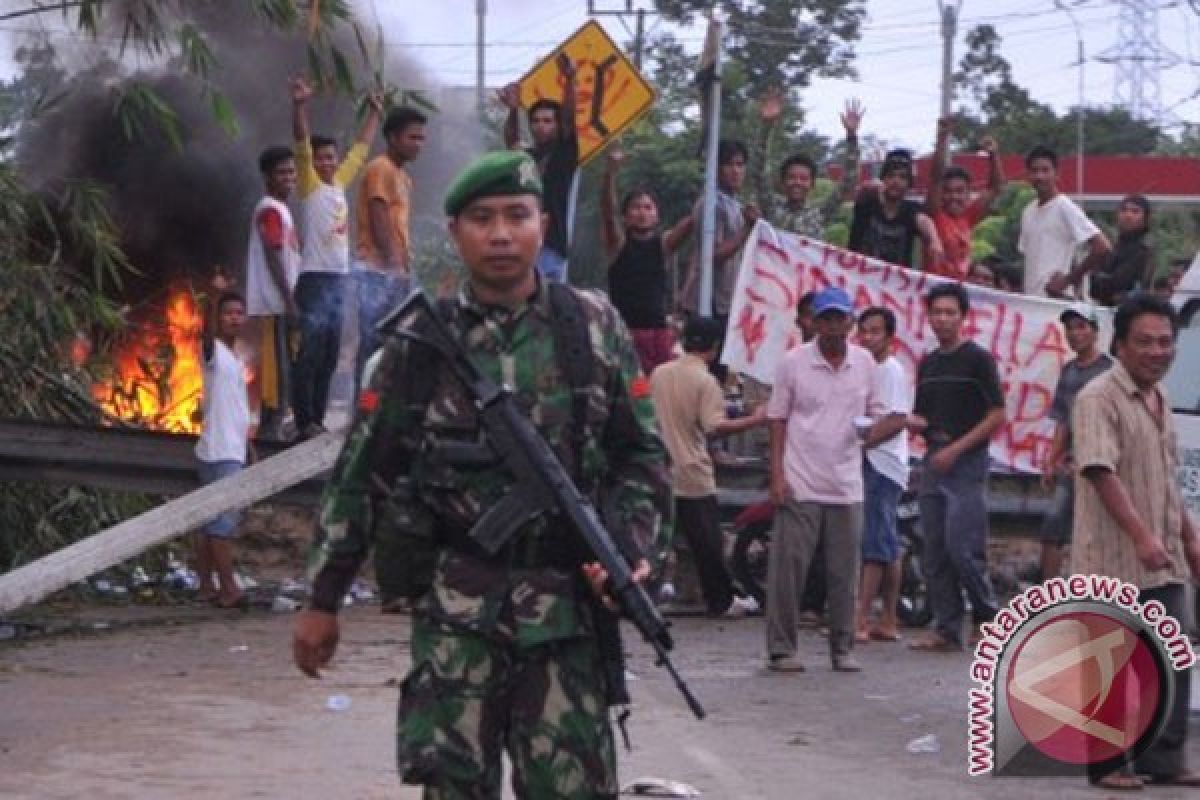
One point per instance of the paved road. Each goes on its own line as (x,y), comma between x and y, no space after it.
(213,709)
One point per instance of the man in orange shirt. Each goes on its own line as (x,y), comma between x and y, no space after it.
(382,252)
(954,214)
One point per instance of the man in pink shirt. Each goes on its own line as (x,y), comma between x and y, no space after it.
(821,390)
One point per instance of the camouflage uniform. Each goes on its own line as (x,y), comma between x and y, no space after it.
(503,651)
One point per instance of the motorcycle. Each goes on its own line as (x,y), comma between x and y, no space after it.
(751,533)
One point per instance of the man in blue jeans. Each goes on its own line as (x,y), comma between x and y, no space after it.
(959,407)
(885,474)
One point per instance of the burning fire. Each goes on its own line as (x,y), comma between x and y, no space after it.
(157,372)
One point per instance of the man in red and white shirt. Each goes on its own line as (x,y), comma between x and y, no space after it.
(950,206)
(272,268)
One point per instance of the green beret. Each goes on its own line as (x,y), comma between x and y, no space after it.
(497,173)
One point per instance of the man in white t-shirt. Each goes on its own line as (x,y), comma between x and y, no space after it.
(885,475)
(1052,229)
(224,435)
(321,183)
(272,268)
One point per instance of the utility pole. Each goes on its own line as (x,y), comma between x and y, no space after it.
(480,17)
(639,22)
(710,72)
(949,15)
(1080,113)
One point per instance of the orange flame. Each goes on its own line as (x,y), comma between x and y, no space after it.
(157,375)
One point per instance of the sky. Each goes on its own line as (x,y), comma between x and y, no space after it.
(898,57)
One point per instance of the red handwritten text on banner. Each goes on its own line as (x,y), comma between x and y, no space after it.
(1023,333)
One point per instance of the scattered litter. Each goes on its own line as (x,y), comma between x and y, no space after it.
(101,626)
(240,648)
(924,744)
(908,719)
(139,578)
(293,587)
(120,591)
(244,581)
(660,787)
(284,605)
(877,697)
(361,593)
(338,702)
(103,586)
(180,577)
(666,592)
(347,601)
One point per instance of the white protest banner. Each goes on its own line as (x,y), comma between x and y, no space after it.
(1023,333)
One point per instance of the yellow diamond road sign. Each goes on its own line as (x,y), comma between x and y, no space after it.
(610,94)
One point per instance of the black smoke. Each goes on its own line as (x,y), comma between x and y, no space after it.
(182,211)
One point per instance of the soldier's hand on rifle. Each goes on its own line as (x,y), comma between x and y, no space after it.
(314,641)
(597,577)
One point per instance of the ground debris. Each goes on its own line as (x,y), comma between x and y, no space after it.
(659,787)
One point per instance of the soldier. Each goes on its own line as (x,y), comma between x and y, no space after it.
(504,651)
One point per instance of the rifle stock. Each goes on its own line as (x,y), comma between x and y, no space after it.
(543,483)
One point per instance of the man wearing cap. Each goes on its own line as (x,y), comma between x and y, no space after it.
(821,390)
(1082,325)
(691,410)
(886,224)
(504,649)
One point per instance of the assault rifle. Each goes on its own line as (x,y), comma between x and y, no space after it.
(541,484)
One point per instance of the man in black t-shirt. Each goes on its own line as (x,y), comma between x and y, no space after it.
(885,224)
(959,407)
(637,252)
(556,151)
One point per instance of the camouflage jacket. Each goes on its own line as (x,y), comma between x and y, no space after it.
(622,454)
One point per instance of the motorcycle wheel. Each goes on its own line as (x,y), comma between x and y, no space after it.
(913,608)
(748,562)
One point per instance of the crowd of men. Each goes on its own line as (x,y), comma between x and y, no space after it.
(839,415)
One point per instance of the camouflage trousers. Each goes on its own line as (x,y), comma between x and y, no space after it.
(469,698)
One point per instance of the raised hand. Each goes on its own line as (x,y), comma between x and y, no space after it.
(771,104)
(565,65)
(375,101)
(988,145)
(302,92)
(852,116)
(510,96)
(220,281)
(616,157)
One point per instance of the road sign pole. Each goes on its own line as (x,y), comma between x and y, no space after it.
(708,224)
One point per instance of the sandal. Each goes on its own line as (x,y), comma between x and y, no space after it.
(880,635)
(934,643)
(1120,782)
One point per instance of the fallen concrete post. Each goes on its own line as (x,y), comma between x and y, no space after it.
(31,582)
